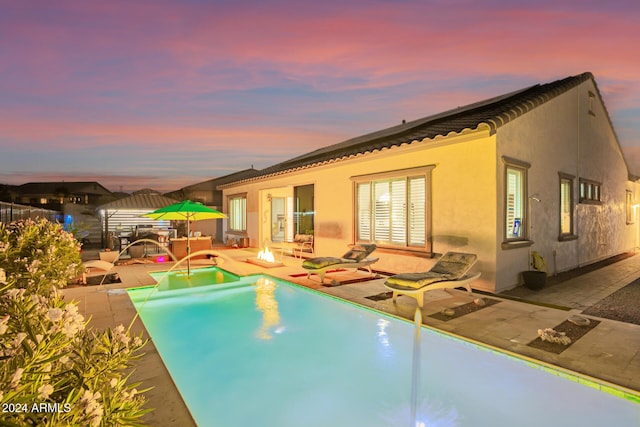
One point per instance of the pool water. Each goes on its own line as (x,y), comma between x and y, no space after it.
(179,279)
(261,351)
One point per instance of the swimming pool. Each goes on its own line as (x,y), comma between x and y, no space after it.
(261,351)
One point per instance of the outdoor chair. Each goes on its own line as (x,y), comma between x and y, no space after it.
(355,258)
(449,272)
(300,243)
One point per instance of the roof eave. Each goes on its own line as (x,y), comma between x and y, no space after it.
(484,127)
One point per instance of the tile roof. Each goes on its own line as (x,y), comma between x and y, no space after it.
(70,187)
(139,201)
(212,184)
(493,113)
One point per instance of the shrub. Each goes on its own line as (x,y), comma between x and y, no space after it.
(39,255)
(53,369)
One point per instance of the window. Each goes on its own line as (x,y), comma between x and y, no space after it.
(590,191)
(629,208)
(515,200)
(391,208)
(238,213)
(566,206)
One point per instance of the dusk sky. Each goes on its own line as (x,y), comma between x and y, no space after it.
(162,94)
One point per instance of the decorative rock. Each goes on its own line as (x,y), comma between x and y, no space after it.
(480,302)
(449,312)
(579,320)
(551,335)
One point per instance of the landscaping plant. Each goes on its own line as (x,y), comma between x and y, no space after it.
(54,371)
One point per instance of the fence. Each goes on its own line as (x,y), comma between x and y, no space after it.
(13,212)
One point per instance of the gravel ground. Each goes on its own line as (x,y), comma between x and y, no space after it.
(622,305)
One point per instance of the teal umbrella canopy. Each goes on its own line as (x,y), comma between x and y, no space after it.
(186,211)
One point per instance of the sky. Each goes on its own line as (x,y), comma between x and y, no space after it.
(166,93)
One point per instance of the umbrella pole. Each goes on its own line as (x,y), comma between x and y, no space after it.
(188,250)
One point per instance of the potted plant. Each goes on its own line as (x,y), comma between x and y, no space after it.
(536,278)
(138,250)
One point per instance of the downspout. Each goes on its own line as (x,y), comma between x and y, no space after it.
(577,227)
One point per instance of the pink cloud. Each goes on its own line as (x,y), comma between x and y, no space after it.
(166,74)
(71,135)
(383,44)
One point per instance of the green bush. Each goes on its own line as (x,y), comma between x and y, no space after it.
(39,255)
(53,369)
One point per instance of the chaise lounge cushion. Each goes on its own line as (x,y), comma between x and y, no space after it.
(359,252)
(417,280)
(355,255)
(452,266)
(455,264)
(321,262)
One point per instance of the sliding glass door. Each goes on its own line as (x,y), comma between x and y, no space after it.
(304,211)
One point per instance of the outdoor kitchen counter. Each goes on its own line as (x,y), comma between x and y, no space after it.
(179,246)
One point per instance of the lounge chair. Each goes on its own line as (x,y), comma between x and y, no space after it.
(101,265)
(449,272)
(300,243)
(355,258)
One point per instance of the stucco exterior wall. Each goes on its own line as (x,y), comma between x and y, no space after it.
(463,184)
(569,134)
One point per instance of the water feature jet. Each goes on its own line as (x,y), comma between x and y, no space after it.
(415,367)
(163,248)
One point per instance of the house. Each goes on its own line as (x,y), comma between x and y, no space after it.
(56,194)
(539,169)
(76,200)
(208,194)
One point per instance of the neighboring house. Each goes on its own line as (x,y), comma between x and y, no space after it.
(8,193)
(54,195)
(208,194)
(75,199)
(537,169)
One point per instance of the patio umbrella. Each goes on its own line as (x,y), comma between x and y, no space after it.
(186,211)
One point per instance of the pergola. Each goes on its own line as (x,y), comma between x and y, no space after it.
(125,215)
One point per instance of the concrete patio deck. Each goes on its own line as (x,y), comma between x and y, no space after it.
(610,352)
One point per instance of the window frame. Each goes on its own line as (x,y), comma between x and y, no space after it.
(243,219)
(522,167)
(590,192)
(570,235)
(390,176)
(629,207)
